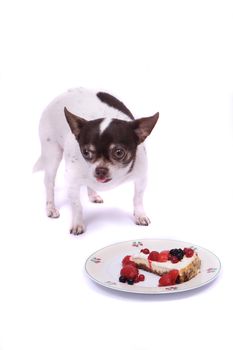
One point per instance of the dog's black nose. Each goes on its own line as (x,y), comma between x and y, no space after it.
(101,172)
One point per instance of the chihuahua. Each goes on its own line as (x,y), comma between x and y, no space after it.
(102,144)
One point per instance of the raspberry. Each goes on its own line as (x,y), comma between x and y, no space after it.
(126,260)
(141,277)
(153,256)
(132,263)
(145,251)
(188,252)
(130,272)
(163,256)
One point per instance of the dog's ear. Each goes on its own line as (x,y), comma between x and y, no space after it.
(75,122)
(143,127)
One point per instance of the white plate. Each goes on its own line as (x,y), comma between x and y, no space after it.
(104,266)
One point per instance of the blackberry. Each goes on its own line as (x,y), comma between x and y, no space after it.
(180,254)
(122,279)
(174,251)
(177,253)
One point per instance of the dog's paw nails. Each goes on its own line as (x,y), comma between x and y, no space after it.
(96,199)
(53,213)
(142,220)
(77,230)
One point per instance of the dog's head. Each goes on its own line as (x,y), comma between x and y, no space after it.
(109,145)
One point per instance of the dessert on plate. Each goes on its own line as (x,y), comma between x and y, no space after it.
(174,266)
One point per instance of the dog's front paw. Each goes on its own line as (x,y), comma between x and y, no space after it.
(52,212)
(142,220)
(77,230)
(96,199)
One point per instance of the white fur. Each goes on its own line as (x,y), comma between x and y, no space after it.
(56,139)
(105,123)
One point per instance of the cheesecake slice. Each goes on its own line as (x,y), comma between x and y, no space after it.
(188,265)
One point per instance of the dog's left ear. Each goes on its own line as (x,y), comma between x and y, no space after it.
(75,122)
(143,127)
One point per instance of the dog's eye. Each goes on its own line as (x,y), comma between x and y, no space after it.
(118,153)
(88,155)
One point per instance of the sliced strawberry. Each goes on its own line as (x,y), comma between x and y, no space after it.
(163,256)
(165,280)
(174,274)
(153,256)
(169,279)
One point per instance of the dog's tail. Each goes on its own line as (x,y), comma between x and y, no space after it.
(38,166)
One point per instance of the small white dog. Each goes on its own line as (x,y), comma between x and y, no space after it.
(102,145)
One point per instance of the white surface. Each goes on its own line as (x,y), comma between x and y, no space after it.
(171,57)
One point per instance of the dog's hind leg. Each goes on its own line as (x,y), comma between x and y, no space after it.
(93,196)
(51,155)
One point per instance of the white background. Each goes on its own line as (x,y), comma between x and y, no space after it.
(174,57)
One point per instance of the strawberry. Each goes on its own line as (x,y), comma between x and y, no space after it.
(153,256)
(163,256)
(169,279)
(165,280)
(174,274)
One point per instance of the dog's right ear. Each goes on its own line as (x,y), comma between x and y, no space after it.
(75,122)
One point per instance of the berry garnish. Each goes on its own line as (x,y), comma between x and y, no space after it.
(173,252)
(188,252)
(122,279)
(180,254)
(141,277)
(130,281)
(132,263)
(145,251)
(163,256)
(174,274)
(129,272)
(169,279)
(126,260)
(174,259)
(165,280)
(153,256)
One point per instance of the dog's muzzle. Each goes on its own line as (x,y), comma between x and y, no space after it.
(102,174)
